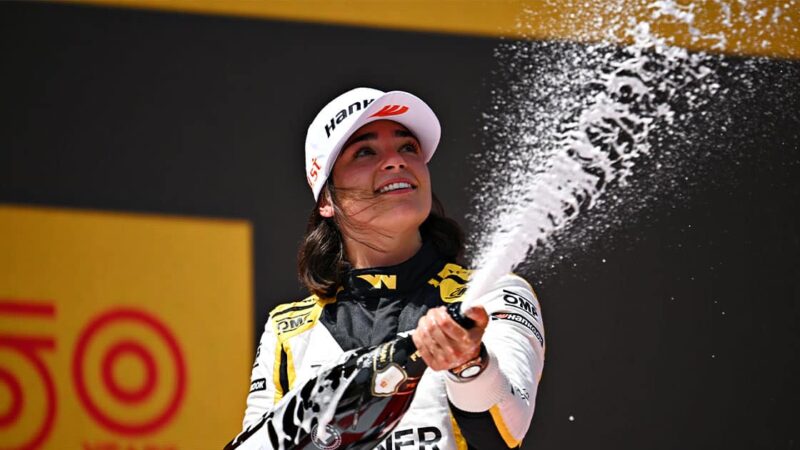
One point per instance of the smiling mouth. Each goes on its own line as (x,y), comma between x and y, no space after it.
(395,187)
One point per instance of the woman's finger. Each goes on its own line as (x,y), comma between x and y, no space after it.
(448,326)
(461,345)
(447,343)
(426,345)
(479,316)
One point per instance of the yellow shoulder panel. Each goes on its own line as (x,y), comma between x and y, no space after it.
(452,282)
(310,300)
(291,319)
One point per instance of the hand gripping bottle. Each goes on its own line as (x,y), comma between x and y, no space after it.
(352,405)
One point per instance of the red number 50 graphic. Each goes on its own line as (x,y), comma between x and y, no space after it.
(27,350)
(28,414)
(126,396)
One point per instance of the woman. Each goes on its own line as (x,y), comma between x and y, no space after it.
(379,258)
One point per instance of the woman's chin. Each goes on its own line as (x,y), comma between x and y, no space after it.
(401,218)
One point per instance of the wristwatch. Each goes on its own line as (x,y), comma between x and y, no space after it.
(473,367)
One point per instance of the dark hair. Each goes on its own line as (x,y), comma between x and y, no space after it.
(321,260)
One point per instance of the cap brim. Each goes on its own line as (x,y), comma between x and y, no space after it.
(419,118)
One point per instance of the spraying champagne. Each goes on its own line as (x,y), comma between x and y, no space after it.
(353,405)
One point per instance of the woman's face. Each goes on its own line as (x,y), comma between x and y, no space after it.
(381,178)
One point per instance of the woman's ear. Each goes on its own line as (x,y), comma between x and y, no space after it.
(325,205)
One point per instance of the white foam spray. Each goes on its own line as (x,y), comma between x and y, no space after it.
(576,118)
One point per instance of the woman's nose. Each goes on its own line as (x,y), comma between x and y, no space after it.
(394,161)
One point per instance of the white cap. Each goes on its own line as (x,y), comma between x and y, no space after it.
(352,110)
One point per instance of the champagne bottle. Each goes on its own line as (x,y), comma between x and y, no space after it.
(352,405)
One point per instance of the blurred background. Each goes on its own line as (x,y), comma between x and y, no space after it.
(152,198)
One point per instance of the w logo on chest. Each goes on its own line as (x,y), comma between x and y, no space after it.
(380,281)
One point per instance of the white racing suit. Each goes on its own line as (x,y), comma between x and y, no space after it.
(491,411)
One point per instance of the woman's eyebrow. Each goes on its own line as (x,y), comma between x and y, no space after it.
(359,138)
(373,135)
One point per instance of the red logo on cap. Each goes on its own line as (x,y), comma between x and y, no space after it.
(313,173)
(390,110)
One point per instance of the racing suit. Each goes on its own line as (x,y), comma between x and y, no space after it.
(490,411)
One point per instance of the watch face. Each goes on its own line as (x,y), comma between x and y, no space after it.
(470,372)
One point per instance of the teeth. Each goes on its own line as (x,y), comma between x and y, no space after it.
(394,187)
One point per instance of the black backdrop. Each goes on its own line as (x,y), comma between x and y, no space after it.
(687,336)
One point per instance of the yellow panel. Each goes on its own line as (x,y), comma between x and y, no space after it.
(542,19)
(122,331)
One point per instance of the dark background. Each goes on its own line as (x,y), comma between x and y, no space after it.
(678,329)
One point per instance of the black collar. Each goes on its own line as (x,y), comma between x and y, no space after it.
(394,280)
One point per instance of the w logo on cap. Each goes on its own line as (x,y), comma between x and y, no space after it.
(390,110)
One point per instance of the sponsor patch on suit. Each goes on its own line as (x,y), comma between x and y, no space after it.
(519,302)
(522,320)
(258,385)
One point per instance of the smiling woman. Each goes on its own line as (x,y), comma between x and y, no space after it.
(374,194)
(380,259)
(382,184)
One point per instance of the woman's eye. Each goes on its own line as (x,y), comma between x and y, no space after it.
(363,151)
(410,147)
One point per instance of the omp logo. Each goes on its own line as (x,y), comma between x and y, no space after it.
(519,302)
(422,438)
(291,323)
(378,281)
(390,110)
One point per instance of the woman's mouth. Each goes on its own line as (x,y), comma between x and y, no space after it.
(395,186)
